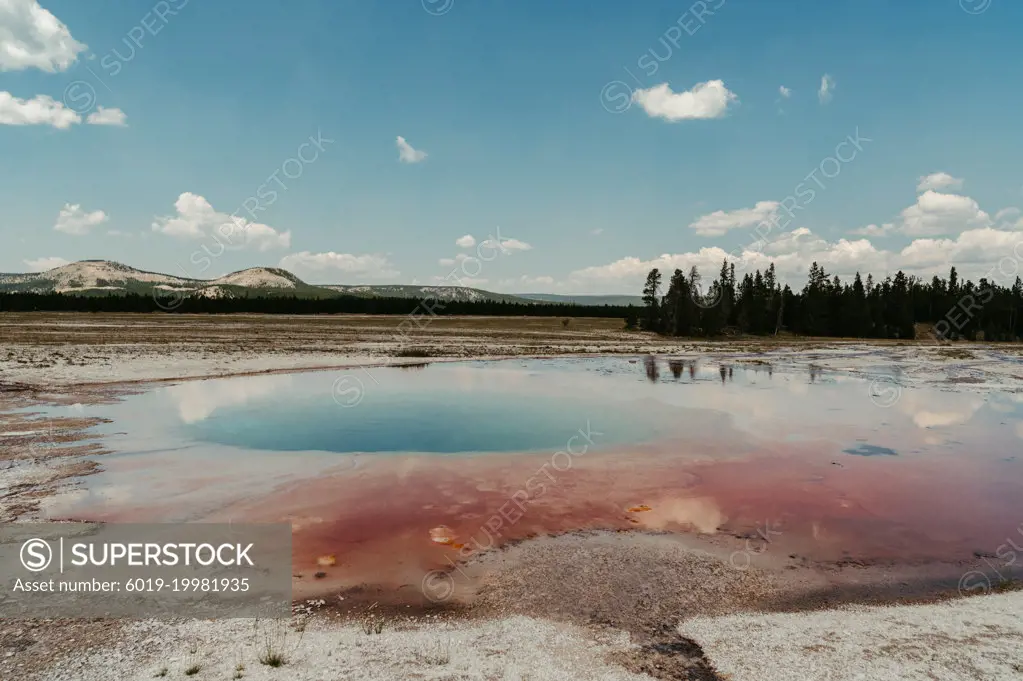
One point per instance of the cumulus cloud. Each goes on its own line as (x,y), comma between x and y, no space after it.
(72,219)
(784,91)
(971,249)
(31,37)
(407,154)
(467,241)
(936,213)
(939,181)
(875,230)
(826,91)
(705,100)
(984,252)
(40,110)
(197,219)
(720,221)
(506,246)
(321,266)
(43,264)
(978,247)
(791,253)
(105,116)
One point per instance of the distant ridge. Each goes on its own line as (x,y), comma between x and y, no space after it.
(583,300)
(104,277)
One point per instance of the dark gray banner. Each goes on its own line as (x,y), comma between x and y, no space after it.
(140,571)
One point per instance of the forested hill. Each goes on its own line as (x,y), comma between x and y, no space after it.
(827,306)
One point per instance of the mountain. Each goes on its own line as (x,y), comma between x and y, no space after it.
(583,300)
(95,276)
(454,293)
(102,277)
(261,277)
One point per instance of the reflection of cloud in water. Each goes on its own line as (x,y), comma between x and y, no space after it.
(795,387)
(939,410)
(701,513)
(930,419)
(197,400)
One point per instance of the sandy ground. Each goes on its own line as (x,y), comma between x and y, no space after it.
(624,606)
(978,638)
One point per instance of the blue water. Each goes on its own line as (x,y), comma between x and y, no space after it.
(423,413)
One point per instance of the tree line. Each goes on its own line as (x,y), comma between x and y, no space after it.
(133,302)
(826,306)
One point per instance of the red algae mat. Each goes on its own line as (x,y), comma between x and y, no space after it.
(395,519)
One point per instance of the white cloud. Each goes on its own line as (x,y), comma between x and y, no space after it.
(597,232)
(406,154)
(979,247)
(939,181)
(983,252)
(73,220)
(1006,215)
(196,219)
(705,100)
(505,246)
(975,251)
(105,116)
(784,91)
(720,221)
(467,241)
(319,265)
(935,213)
(31,37)
(790,252)
(40,110)
(827,89)
(43,264)
(875,230)
(459,257)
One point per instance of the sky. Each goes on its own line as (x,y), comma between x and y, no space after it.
(512,145)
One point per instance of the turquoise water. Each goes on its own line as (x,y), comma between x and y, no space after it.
(444,409)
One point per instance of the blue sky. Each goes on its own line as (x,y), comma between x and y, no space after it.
(592,139)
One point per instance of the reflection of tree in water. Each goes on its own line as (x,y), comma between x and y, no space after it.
(815,373)
(692,370)
(676,366)
(413,367)
(723,371)
(652,371)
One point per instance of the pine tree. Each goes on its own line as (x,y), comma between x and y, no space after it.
(651,298)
